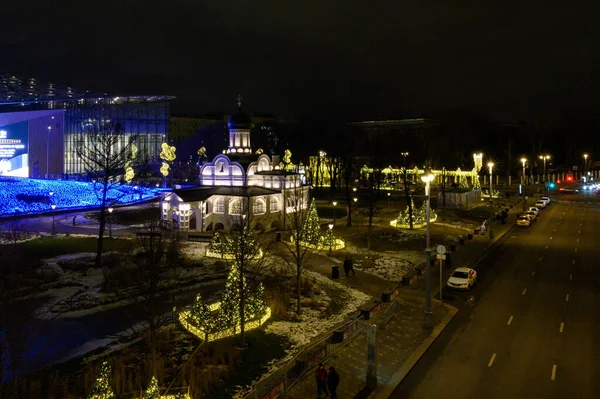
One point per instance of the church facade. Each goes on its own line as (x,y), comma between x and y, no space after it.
(237,187)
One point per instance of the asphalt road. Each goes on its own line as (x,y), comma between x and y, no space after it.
(534,328)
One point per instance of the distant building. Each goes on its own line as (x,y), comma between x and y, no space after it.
(48,119)
(238,186)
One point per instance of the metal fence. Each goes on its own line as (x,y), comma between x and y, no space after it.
(290,372)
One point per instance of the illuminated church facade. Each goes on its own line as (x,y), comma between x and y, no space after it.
(236,187)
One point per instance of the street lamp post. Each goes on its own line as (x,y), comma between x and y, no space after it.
(334,205)
(428,316)
(389,195)
(53,206)
(544,158)
(48,151)
(491,165)
(585,157)
(330,237)
(110,211)
(523,161)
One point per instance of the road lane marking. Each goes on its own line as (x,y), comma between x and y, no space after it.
(575,249)
(509,321)
(567,298)
(579,232)
(580,225)
(578,240)
(541,259)
(533,274)
(553,232)
(524,291)
(553,376)
(550,237)
(562,327)
(492,360)
(570,277)
(573,261)
(546,247)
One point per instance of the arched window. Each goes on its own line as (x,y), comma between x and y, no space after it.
(235,207)
(219,206)
(274,205)
(259,207)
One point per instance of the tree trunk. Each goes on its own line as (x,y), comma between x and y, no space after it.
(348,199)
(298,275)
(102,225)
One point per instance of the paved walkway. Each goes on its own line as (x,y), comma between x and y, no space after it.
(403,341)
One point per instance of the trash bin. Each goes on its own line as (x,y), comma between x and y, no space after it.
(278,236)
(335,272)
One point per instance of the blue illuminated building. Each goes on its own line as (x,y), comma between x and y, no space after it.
(39,124)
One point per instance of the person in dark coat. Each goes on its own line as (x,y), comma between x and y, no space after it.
(333,380)
(352,268)
(347,266)
(321,377)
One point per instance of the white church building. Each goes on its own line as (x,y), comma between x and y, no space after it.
(237,184)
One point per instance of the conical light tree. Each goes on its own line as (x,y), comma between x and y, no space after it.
(202,317)
(419,216)
(153,390)
(102,388)
(312,229)
(257,302)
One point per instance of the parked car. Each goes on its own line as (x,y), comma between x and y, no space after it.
(523,221)
(532,215)
(462,278)
(534,209)
(540,204)
(546,199)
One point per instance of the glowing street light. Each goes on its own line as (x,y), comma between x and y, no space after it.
(389,195)
(491,166)
(330,237)
(427,178)
(334,206)
(544,158)
(110,211)
(524,161)
(53,206)
(585,157)
(48,150)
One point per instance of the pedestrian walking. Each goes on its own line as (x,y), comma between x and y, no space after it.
(347,266)
(352,268)
(333,380)
(321,377)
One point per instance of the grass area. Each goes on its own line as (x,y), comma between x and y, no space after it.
(48,247)
(130,216)
(262,348)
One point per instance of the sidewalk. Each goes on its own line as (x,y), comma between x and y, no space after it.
(404,340)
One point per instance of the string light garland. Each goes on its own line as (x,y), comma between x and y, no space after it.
(102,388)
(419,217)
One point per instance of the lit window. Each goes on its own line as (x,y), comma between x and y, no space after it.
(259,207)
(219,205)
(235,207)
(274,205)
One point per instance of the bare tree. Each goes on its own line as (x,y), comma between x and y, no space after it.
(106,153)
(298,253)
(156,259)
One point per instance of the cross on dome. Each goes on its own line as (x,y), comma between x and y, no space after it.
(239,100)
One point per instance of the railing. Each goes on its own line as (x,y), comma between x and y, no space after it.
(389,313)
(290,372)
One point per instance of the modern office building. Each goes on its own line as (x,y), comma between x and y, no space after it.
(40,124)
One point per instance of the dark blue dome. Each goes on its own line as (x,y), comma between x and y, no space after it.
(239,120)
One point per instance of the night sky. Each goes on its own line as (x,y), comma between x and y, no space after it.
(345,59)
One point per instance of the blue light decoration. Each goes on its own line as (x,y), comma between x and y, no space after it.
(24,196)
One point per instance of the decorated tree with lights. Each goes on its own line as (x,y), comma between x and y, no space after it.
(202,317)
(312,229)
(153,390)
(101,388)
(328,239)
(257,302)
(419,217)
(221,244)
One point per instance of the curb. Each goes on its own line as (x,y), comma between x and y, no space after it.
(384,391)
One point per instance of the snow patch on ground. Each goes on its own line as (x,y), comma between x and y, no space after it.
(402,236)
(391,267)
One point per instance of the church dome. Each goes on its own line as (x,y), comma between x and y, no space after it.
(239,120)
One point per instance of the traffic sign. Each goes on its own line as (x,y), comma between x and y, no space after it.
(442,257)
(441,249)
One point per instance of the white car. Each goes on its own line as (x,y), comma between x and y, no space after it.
(534,210)
(531,215)
(545,199)
(540,204)
(523,221)
(462,278)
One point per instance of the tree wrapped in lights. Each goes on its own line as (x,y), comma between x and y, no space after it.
(102,388)
(153,390)
(328,240)
(422,214)
(419,215)
(230,299)
(257,302)
(202,316)
(312,230)
(221,244)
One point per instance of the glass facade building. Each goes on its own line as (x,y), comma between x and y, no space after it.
(146,117)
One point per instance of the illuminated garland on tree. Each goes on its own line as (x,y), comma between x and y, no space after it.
(102,388)
(311,231)
(153,391)
(328,240)
(419,215)
(257,303)
(230,299)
